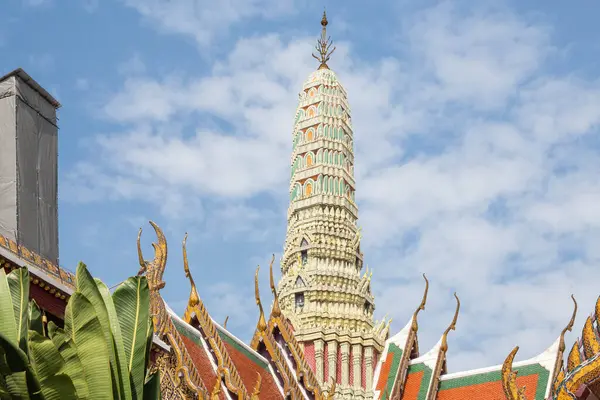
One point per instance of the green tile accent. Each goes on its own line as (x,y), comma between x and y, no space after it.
(425,382)
(525,370)
(251,355)
(397,356)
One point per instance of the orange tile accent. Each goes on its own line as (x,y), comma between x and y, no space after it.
(489,390)
(385,372)
(413,386)
(201,361)
(248,369)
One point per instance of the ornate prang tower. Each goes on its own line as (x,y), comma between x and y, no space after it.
(322,292)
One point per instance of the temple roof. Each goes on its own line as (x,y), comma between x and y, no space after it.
(51,285)
(212,361)
(402,373)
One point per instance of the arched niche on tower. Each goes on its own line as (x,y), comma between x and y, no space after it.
(309,159)
(309,186)
(299,282)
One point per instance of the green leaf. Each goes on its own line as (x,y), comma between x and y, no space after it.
(87,286)
(16,384)
(35,318)
(8,326)
(132,303)
(45,359)
(18,281)
(152,387)
(59,387)
(83,328)
(47,363)
(21,377)
(73,367)
(119,349)
(149,337)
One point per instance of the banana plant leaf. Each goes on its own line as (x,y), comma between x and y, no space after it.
(132,304)
(47,364)
(117,341)
(8,325)
(73,367)
(87,286)
(35,318)
(152,387)
(149,337)
(18,281)
(83,328)
(20,378)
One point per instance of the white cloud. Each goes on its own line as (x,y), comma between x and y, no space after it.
(473,164)
(203,20)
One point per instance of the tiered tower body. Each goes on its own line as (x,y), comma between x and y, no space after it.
(322,291)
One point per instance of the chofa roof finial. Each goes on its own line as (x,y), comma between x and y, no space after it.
(323,46)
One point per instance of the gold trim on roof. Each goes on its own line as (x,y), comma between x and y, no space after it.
(323,46)
(277,321)
(180,367)
(582,370)
(452,325)
(440,365)
(225,365)
(263,335)
(194,299)
(257,387)
(509,379)
(328,394)
(275,311)
(412,346)
(262,324)
(415,325)
(561,345)
(53,270)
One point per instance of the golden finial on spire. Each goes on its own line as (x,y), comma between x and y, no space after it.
(323,46)
(194,299)
(262,324)
(509,379)
(415,326)
(561,346)
(452,326)
(569,326)
(276,311)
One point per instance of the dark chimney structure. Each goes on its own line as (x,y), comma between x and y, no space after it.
(29,165)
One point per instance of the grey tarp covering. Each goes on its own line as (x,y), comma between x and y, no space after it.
(8,162)
(36,168)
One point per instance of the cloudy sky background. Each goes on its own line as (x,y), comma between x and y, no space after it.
(476,128)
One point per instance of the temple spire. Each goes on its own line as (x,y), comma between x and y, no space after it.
(323,46)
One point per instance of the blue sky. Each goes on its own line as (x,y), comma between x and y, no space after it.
(476,128)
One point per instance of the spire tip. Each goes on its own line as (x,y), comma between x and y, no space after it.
(324,43)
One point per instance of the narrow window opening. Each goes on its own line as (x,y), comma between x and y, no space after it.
(299,298)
